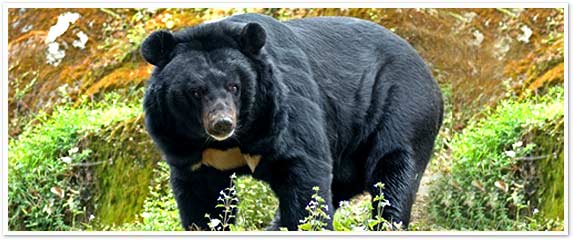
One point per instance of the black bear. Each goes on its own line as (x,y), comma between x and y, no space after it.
(334,102)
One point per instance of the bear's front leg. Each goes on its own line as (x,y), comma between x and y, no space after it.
(300,161)
(293,183)
(196,192)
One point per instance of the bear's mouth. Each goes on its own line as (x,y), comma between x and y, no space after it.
(221,127)
(220,119)
(221,137)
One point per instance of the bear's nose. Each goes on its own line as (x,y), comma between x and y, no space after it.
(223,126)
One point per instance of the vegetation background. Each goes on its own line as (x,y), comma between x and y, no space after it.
(80,158)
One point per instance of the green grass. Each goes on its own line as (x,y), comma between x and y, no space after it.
(488,186)
(45,179)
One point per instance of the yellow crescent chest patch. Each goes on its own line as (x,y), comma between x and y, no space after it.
(228,159)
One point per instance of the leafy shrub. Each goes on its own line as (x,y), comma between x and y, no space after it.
(485,188)
(44,166)
(353,215)
(356,215)
(317,214)
(257,204)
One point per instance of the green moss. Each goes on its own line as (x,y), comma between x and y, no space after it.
(551,170)
(122,180)
(160,211)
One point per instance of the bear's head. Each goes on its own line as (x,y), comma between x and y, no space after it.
(205,76)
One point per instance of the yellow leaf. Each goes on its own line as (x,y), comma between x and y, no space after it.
(501,185)
(57,191)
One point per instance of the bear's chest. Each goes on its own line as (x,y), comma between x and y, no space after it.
(227,159)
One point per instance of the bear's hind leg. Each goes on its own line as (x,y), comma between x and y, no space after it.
(397,172)
(293,185)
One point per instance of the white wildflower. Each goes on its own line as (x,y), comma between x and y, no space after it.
(214,223)
(73,150)
(510,154)
(66,159)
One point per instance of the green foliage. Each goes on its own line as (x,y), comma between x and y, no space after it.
(357,216)
(45,165)
(352,215)
(317,214)
(257,204)
(486,188)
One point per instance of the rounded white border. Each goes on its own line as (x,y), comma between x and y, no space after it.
(267,4)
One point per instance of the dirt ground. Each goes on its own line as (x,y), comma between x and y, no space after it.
(419,216)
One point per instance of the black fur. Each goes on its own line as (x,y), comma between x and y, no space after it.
(334,102)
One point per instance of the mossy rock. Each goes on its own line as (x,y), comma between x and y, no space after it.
(126,158)
(550,169)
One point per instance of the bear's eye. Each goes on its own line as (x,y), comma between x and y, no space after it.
(197,93)
(233,88)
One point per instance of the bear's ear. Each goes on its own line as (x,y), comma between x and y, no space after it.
(253,38)
(157,48)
